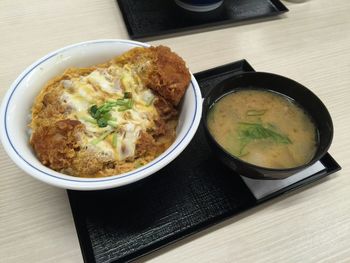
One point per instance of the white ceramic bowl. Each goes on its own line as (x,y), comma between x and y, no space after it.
(17,103)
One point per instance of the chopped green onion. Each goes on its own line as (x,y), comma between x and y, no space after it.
(130,103)
(255,112)
(252,131)
(248,132)
(127,95)
(102,123)
(123,108)
(138,164)
(93,111)
(102,113)
(101,138)
(115,140)
(124,102)
(114,124)
(88,119)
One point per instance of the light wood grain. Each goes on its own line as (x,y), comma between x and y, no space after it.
(310,44)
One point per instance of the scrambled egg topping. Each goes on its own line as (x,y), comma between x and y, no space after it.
(114,106)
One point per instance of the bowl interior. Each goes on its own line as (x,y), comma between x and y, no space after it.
(295,91)
(17,103)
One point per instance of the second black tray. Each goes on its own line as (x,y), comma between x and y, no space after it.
(149,18)
(193,192)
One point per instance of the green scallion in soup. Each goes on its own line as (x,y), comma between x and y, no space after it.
(263,128)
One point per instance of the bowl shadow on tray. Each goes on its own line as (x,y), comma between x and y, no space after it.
(198,22)
(162,208)
(157,202)
(245,214)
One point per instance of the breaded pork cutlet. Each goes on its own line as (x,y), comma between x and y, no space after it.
(160,69)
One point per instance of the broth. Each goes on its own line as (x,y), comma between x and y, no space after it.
(263,128)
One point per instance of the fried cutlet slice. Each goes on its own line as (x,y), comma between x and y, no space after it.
(56,145)
(160,69)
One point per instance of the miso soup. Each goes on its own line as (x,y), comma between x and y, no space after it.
(263,128)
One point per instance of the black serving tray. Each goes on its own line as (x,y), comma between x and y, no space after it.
(193,192)
(151,18)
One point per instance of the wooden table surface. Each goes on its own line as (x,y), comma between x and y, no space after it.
(310,44)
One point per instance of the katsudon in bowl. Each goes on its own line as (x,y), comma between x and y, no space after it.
(102,114)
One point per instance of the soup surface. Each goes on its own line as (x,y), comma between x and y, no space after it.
(263,128)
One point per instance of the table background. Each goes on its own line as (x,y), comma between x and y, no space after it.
(310,44)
